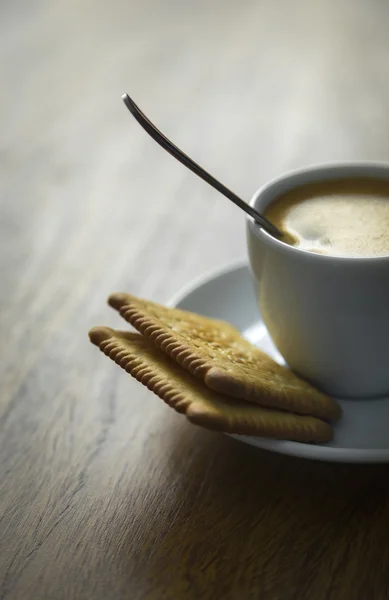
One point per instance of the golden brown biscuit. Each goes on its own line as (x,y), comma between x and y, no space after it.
(215,352)
(186,394)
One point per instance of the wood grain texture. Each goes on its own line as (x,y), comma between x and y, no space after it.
(104,492)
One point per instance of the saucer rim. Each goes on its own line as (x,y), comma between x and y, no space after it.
(320,452)
(206,277)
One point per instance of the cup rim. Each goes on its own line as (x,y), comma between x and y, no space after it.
(348,168)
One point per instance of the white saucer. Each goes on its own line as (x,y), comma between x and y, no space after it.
(362,436)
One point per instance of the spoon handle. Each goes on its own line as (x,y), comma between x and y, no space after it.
(194,167)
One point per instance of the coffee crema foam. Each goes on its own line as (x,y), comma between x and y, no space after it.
(345,217)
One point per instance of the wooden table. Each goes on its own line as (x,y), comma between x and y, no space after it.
(105,493)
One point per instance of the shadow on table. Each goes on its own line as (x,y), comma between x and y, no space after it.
(233,519)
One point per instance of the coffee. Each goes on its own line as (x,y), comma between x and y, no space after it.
(345,217)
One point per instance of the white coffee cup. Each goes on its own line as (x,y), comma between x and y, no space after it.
(327,315)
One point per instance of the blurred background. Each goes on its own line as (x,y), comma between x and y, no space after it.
(248,88)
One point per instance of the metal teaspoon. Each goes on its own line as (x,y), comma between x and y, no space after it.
(195,168)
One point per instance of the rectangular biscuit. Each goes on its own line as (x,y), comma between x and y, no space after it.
(216,353)
(190,396)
